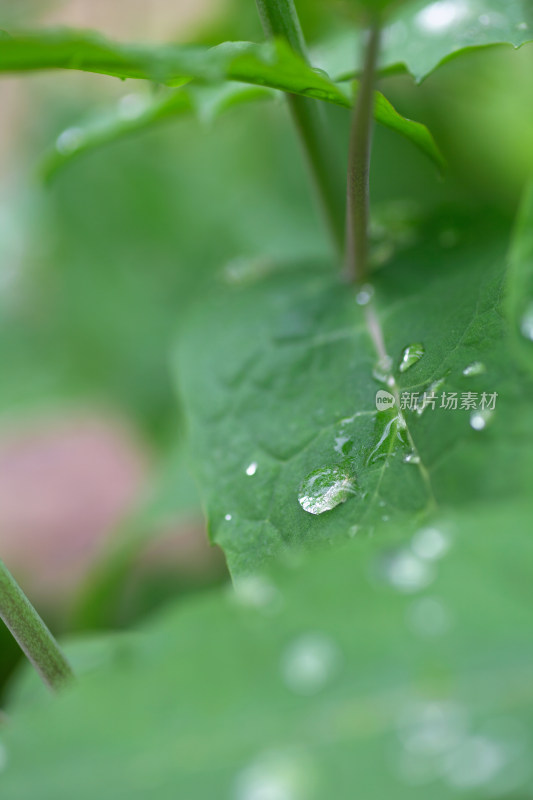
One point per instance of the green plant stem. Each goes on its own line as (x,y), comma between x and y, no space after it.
(358,186)
(31,633)
(280,19)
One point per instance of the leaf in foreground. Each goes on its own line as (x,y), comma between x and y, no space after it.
(284,373)
(398,667)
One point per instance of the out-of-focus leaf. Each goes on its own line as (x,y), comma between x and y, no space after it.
(138,112)
(289,387)
(400,666)
(421,36)
(271,64)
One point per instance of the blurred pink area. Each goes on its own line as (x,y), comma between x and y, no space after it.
(64,487)
(156,20)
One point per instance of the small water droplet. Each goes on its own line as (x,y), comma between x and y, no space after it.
(411,355)
(364,295)
(484,19)
(430,544)
(382,369)
(69,141)
(522,26)
(428,617)
(327,487)
(526,323)
(309,663)
(475,368)
(406,572)
(411,458)
(227,517)
(251,469)
(480,419)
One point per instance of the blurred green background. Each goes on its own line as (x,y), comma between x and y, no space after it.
(100,518)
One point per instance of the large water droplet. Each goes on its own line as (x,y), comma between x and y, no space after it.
(309,663)
(411,355)
(475,368)
(526,323)
(327,487)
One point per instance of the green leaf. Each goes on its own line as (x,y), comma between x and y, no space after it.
(520,286)
(138,112)
(271,64)
(399,665)
(422,36)
(278,375)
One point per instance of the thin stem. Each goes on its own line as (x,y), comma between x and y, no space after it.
(31,633)
(357,194)
(280,19)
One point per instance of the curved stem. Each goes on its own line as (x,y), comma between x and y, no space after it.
(357,194)
(31,633)
(280,19)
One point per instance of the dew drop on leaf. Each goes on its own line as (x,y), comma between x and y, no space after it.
(475,368)
(382,369)
(309,663)
(411,355)
(343,445)
(69,141)
(251,469)
(411,458)
(327,487)
(227,517)
(480,419)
